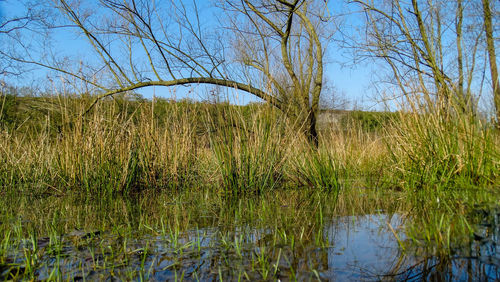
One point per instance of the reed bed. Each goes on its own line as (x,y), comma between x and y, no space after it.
(185,166)
(437,146)
(130,144)
(124,145)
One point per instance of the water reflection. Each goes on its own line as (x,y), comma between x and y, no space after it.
(145,238)
(364,247)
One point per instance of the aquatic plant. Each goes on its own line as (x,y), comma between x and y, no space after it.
(433,148)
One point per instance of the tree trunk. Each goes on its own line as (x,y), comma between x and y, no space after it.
(311,133)
(488,26)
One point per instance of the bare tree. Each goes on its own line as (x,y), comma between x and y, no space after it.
(141,43)
(490,43)
(10,28)
(423,43)
(283,43)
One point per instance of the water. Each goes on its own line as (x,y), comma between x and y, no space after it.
(285,237)
(364,247)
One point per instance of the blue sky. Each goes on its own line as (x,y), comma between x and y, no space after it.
(352,82)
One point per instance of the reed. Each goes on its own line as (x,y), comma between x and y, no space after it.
(320,170)
(249,154)
(244,171)
(131,144)
(434,148)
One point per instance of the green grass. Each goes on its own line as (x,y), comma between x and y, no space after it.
(112,238)
(141,171)
(319,170)
(432,149)
(131,144)
(256,237)
(248,154)
(368,121)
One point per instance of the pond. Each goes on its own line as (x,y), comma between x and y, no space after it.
(197,235)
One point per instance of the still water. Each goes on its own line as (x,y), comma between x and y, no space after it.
(288,236)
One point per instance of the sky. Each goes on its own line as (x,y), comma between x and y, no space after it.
(350,81)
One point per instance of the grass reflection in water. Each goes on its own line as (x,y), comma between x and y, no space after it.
(300,234)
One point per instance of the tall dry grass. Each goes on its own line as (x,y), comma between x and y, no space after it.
(111,149)
(126,145)
(437,145)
